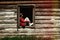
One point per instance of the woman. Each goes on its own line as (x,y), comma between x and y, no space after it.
(22,21)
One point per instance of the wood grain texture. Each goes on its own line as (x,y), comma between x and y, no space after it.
(30,2)
(47,17)
(47,21)
(47,26)
(47,10)
(44,22)
(47,13)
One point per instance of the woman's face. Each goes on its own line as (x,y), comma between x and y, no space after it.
(22,15)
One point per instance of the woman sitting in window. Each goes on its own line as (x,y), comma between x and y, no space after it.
(22,21)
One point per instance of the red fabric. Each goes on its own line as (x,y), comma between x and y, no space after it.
(22,22)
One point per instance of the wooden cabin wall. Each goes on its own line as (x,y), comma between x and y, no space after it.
(44,15)
(47,19)
(8,16)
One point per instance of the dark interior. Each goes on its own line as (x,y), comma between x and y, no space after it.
(27,11)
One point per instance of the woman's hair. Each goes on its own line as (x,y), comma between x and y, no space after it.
(21,15)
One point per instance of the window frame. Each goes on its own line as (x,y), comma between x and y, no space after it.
(33,15)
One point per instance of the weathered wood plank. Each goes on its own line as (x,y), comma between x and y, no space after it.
(1,34)
(44,22)
(8,25)
(47,10)
(44,25)
(42,31)
(48,31)
(8,14)
(47,21)
(8,22)
(47,17)
(47,13)
(46,5)
(7,10)
(11,20)
(42,17)
(30,2)
(47,25)
(8,6)
(12,30)
(7,17)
